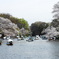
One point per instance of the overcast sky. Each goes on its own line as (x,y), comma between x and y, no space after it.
(30,10)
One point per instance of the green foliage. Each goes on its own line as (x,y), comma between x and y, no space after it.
(20,22)
(37,28)
(5,15)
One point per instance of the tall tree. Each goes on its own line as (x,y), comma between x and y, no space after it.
(56,10)
(55,21)
(37,28)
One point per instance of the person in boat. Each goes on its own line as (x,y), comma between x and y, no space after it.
(10,41)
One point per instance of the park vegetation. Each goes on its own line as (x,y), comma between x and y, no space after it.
(21,22)
(37,27)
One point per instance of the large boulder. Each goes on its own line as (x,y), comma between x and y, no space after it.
(8,28)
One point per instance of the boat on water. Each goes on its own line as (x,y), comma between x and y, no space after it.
(18,38)
(37,37)
(9,42)
(22,38)
(30,39)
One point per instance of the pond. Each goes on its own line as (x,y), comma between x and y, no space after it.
(38,49)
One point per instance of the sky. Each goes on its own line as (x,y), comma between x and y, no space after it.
(31,10)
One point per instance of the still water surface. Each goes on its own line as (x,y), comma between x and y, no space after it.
(38,49)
